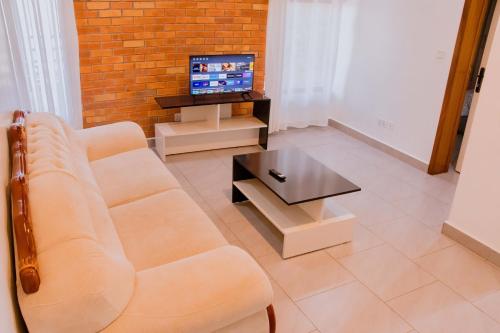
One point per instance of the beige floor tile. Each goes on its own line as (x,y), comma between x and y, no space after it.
(224,208)
(278,141)
(490,304)
(370,209)
(424,207)
(363,239)
(351,308)
(437,309)
(386,271)
(424,182)
(377,157)
(412,238)
(391,189)
(206,176)
(289,318)
(463,271)
(306,275)
(259,242)
(447,193)
(311,136)
(220,179)
(226,155)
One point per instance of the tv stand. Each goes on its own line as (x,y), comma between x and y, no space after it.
(206,123)
(246,95)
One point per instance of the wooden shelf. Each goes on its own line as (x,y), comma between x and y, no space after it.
(272,207)
(284,217)
(206,125)
(239,123)
(203,126)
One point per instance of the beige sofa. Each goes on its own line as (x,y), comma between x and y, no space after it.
(120,247)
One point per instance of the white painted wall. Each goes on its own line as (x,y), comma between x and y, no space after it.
(394,62)
(475,209)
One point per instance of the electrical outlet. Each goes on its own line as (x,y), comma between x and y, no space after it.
(385,124)
(177,117)
(440,55)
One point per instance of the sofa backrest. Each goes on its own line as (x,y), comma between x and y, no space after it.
(85,278)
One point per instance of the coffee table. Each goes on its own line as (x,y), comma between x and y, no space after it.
(296,206)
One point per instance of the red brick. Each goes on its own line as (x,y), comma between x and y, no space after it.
(133,51)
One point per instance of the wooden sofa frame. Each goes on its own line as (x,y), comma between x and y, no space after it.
(21,220)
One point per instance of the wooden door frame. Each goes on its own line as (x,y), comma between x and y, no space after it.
(469,34)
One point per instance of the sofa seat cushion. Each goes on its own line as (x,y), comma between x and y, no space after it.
(131,175)
(257,323)
(163,228)
(83,288)
(202,293)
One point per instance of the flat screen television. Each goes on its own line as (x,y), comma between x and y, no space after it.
(221,74)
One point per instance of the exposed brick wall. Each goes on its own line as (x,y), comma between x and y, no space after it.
(133,51)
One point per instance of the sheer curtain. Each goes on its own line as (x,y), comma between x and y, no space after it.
(9,94)
(44,46)
(301,54)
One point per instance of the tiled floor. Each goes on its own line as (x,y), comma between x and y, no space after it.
(398,275)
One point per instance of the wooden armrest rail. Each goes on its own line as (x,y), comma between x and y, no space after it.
(23,230)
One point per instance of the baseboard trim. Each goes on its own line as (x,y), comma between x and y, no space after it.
(471,243)
(379,145)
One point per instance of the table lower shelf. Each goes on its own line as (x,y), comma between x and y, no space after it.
(306,227)
(182,137)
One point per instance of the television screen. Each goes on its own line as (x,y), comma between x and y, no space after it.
(219,74)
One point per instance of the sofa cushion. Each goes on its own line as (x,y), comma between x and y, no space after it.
(83,288)
(55,156)
(132,175)
(85,278)
(202,293)
(256,323)
(112,139)
(163,228)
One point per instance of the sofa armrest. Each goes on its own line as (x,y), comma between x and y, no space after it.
(202,293)
(112,139)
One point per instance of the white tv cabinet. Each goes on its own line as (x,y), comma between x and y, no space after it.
(206,123)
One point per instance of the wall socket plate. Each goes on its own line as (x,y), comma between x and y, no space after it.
(177,116)
(385,124)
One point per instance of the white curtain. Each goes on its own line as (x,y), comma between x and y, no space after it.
(43,42)
(301,56)
(9,94)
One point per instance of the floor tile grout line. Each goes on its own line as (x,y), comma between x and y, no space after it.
(215,211)
(413,290)
(284,291)
(292,300)
(422,256)
(319,292)
(456,292)
(380,299)
(436,279)
(367,288)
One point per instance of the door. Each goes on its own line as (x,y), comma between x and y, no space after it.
(491,20)
(462,66)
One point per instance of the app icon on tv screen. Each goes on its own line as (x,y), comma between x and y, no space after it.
(224,74)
